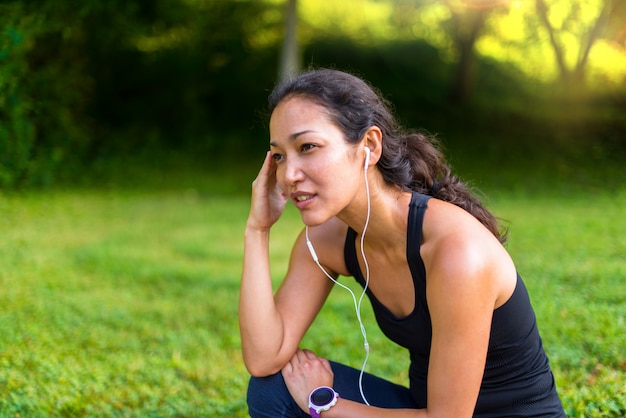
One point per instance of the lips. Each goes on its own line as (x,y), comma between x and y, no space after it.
(301,199)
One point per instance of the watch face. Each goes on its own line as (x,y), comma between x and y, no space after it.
(322,396)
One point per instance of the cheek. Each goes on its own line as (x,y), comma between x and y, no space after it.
(341,179)
(280,176)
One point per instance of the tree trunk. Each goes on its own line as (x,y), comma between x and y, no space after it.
(465,40)
(542,10)
(290,53)
(573,78)
(594,33)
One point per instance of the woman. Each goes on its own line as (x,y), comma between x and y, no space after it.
(381,205)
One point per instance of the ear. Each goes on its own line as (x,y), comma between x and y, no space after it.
(373,139)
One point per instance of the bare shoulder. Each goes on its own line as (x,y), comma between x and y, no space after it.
(459,250)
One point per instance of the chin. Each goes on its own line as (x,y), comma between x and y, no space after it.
(311,221)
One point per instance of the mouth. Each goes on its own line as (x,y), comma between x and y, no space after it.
(303,197)
(302,200)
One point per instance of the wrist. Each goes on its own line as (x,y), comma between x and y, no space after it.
(253,230)
(321,399)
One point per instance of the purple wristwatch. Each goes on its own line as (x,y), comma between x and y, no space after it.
(321,399)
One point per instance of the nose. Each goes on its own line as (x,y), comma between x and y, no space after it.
(292,171)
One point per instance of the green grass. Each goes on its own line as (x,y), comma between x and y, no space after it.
(572,253)
(124,303)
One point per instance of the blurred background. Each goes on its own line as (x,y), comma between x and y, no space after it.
(131,130)
(101,91)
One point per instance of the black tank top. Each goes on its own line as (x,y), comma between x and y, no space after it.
(517,381)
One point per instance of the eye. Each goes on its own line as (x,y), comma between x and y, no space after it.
(306,147)
(277,157)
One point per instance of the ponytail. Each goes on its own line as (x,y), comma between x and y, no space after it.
(414,162)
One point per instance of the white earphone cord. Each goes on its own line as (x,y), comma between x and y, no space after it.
(357,305)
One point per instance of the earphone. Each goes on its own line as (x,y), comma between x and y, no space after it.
(357,305)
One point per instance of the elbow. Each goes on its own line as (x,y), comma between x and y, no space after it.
(262,360)
(260,368)
(259,365)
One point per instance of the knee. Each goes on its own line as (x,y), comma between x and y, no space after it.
(261,386)
(263,389)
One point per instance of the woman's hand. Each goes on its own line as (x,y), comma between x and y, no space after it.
(305,372)
(268,201)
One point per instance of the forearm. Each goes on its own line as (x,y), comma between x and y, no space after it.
(349,409)
(259,321)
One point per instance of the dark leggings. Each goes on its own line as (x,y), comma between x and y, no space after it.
(269,397)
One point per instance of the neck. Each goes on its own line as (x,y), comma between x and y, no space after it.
(388,214)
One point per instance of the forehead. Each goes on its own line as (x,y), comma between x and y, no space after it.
(297,113)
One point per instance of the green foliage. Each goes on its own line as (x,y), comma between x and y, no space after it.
(88,85)
(16,130)
(81,84)
(44,88)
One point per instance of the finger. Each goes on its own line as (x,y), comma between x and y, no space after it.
(265,167)
(287,369)
(327,366)
(302,356)
(267,160)
(270,173)
(298,358)
(270,164)
(309,354)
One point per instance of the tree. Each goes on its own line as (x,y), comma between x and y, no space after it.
(460,22)
(86,83)
(44,84)
(465,26)
(290,53)
(588,31)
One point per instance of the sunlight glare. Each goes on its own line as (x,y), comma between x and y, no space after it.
(513,33)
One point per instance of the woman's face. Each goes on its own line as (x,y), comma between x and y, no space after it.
(315,167)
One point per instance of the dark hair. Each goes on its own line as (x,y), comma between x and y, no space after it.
(410,160)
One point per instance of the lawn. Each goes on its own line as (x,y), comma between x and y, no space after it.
(124,302)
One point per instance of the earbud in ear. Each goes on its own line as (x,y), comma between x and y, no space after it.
(367,158)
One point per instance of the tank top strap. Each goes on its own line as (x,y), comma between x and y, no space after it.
(417,208)
(349,255)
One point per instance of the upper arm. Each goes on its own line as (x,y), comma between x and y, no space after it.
(461,293)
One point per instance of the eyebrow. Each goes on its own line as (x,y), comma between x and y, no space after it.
(292,137)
